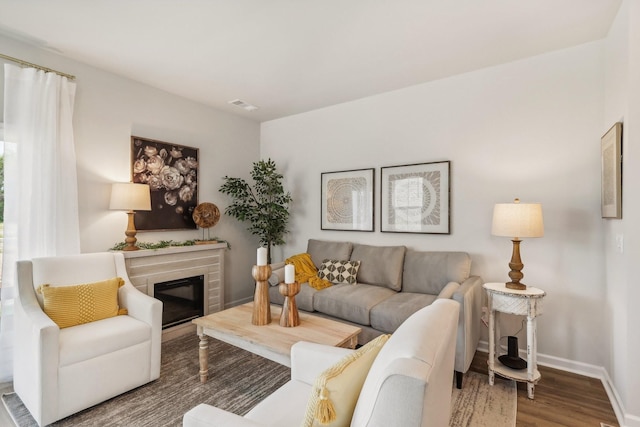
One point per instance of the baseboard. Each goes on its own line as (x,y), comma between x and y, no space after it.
(587,370)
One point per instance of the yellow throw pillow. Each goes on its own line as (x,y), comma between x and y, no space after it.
(335,392)
(78,304)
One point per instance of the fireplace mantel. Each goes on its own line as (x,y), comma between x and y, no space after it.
(146,267)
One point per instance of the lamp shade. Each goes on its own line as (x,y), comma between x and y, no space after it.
(130,197)
(517,220)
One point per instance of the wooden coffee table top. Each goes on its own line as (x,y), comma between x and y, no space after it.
(273,341)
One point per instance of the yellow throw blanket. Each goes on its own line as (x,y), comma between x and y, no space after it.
(306,271)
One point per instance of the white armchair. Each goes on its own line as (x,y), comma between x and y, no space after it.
(58,372)
(409,383)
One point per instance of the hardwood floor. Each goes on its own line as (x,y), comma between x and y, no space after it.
(561,399)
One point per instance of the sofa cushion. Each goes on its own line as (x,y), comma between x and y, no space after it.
(380,265)
(336,390)
(304,298)
(390,313)
(429,272)
(337,271)
(90,340)
(322,249)
(350,302)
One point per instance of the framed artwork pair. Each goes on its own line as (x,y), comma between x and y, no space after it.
(413,199)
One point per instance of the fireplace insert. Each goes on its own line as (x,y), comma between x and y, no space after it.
(182,300)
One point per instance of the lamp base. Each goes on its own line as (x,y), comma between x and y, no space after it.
(131,234)
(518,286)
(512,359)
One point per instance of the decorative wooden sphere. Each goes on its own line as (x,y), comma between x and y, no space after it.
(206,215)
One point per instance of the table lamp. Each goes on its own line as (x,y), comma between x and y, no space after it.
(130,197)
(517,220)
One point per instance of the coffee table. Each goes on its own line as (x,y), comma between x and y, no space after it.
(271,341)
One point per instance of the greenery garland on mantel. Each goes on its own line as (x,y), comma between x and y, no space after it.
(164,244)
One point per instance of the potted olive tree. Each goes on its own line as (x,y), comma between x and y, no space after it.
(265,205)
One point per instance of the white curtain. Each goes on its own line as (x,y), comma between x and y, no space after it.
(40,184)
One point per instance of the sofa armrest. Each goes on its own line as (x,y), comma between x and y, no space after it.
(205,415)
(36,351)
(140,306)
(403,395)
(277,274)
(308,360)
(469,295)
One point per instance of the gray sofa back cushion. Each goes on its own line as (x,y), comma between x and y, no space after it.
(379,265)
(323,249)
(429,272)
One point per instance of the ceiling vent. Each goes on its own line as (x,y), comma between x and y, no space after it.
(240,103)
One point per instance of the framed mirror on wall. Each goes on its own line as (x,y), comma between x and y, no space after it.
(611,146)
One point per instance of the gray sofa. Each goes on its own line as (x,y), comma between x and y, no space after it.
(393,282)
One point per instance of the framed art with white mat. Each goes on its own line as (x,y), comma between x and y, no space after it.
(415,198)
(347,200)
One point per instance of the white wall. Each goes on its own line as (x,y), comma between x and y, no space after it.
(529,129)
(108,110)
(622,88)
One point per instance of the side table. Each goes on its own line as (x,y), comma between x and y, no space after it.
(528,303)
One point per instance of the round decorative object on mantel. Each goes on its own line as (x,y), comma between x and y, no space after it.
(206,215)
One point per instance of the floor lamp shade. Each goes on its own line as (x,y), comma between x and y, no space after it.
(517,220)
(130,197)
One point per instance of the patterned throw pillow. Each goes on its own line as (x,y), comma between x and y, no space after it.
(78,304)
(339,271)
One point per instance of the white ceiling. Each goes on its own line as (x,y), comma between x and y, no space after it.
(291,56)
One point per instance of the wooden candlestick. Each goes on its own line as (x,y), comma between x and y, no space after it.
(289,316)
(261,305)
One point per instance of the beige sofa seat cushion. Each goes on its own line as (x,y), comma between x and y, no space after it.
(90,340)
(304,298)
(323,249)
(429,272)
(390,313)
(380,265)
(350,302)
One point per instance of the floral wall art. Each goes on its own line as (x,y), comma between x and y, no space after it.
(171,170)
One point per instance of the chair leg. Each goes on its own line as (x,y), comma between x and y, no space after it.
(459,379)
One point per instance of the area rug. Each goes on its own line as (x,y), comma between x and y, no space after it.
(238,380)
(480,405)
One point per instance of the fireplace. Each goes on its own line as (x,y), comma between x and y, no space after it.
(182,300)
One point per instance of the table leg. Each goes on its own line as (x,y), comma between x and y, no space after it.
(531,354)
(203,354)
(353,341)
(530,388)
(492,341)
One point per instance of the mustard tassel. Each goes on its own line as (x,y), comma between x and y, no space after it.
(325,412)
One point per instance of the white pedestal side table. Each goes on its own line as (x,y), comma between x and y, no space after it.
(528,303)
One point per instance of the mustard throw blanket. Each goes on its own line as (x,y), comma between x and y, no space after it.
(306,271)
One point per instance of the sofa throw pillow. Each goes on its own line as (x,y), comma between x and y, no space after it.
(78,304)
(335,392)
(337,271)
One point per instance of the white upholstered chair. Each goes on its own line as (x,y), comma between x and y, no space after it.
(408,385)
(58,372)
